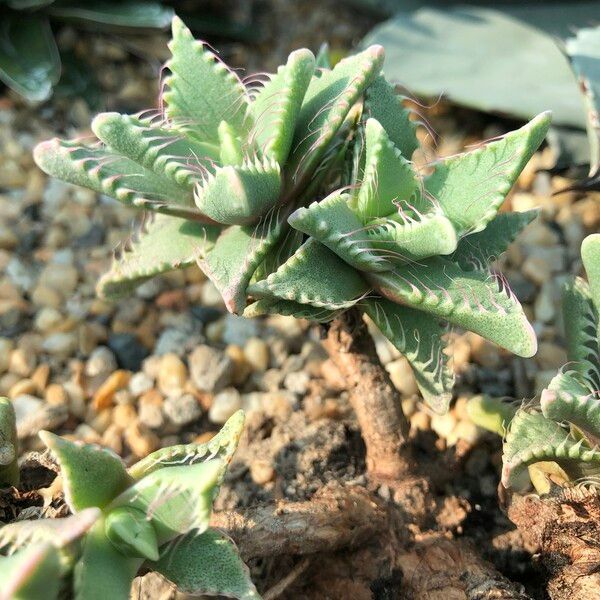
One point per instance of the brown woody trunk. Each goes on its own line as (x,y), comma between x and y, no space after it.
(373,396)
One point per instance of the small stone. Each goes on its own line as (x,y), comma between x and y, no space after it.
(256,352)
(123,415)
(402,377)
(182,410)
(172,375)
(214,331)
(112,439)
(544,307)
(56,395)
(45,296)
(550,356)
(128,350)
(224,404)
(26,405)
(103,398)
(150,409)
(238,330)
(466,431)
(262,472)
(24,386)
(76,397)
(123,396)
(297,382)
(140,383)
(21,362)
(6,382)
(177,341)
(484,352)
(102,420)
(59,277)
(48,319)
(141,440)
(101,363)
(6,347)
(241,367)
(420,421)
(536,269)
(60,344)
(40,376)
(211,369)
(443,425)
(8,239)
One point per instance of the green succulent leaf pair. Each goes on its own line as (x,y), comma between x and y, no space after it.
(298,196)
(155,514)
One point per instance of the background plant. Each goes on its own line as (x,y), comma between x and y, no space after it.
(300,195)
(153,515)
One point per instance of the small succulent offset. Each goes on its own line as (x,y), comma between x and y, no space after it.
(296,191)
(565,428)
(153,515)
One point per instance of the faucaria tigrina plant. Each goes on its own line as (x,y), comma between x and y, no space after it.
(154,516)
(558,435)
(295,193)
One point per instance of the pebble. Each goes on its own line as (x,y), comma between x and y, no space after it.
(6,347)
(45,296)
(101,363)
(140,383)
(123,415)
(103,398)
(150,409)
(141,439)
(60,277)
(48,319)
(262,472)
(224,404)
(443,425)
(21,362)
(172,374)
(128,350)
(297,382)
(112,439)
(256,352)
(550,356)
(60,344)
(182,410)
(238,330)
(241,367)
(55,394)
(211,370)
(26,405)
(536,269)
(24,386)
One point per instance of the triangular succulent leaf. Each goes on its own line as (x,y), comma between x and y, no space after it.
(384,104)
(231,151)
(9,468)
(480,249)
(131,532)
(222,446)
(206,564)
(92,475)
(200,90)
(277,105)
(475,300)
(315,276)
(162,243)
(470,187)
(493,414)
(388,178)
(289,308)
(239,195)
(418,336)
(590,255)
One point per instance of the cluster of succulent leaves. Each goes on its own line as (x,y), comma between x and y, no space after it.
(296,194)
(564,429)
(153,516)
(29,59)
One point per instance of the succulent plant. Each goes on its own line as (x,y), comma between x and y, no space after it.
(153,515)
(563,430)
(299,193)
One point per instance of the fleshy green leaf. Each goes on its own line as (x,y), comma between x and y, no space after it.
(333,223)
(478,250)
(328,101)
(491,413)
(201,90)
(29,59)
(418,336)
(175,499)
(276,107)
(289,308)
(167,153)
(92,475)
(470,187)
(162,244)
(475,300)
(239,195)
(581,331)
(382,103)
(316,276)
(237,253)
(102,571)
(130,532)
(230,150)
(31,574)
(221,446)
(590,255)
(532,438)
(206,564)
(388,176)
(9,468)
